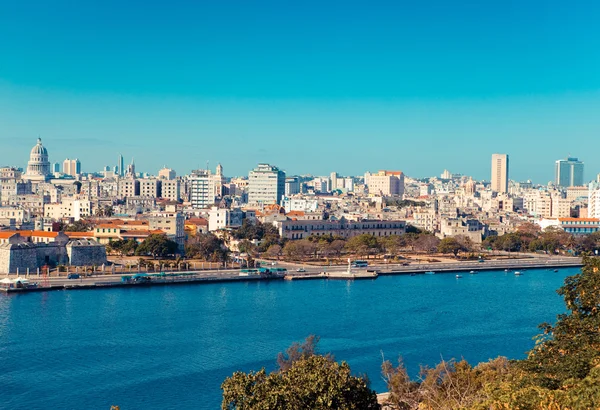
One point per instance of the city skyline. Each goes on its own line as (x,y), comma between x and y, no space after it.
(312,87)
(208,165)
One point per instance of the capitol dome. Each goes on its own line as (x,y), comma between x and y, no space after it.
(38,167)
(39,149)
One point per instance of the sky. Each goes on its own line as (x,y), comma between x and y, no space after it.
(311,87)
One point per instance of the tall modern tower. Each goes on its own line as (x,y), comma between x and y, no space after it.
(500,173)
(121,166)
(568,172)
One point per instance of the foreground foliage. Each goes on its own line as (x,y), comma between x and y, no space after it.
(562,371)
(305,380)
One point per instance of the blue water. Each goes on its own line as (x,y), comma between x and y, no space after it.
(171,347)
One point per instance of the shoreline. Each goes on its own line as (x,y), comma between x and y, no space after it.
(334,274)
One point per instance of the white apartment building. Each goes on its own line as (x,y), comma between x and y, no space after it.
(69,208)
(594,200)
(266,185)
(221,218)
(201,189)
(300,204)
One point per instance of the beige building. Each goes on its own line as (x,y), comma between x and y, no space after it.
(575,192)
(500,173)
(150,188)
(167,173)
(129,187)
(470,228)
(71,167)
(291,229)
(171,189)
(385,183)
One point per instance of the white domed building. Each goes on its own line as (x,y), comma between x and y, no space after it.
(38,167)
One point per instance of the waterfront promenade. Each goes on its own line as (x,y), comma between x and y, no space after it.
(312,272)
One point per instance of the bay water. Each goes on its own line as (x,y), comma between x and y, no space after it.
(170,347)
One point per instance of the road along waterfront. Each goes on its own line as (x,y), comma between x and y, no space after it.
(318,272)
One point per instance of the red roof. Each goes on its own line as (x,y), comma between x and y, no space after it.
(197,221)
(41,234)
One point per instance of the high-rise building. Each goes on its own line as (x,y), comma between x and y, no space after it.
(266,185)
(201,190)
(56,168)
(333,181)
(568,172)
(500,173)
(121,166)
(71,167)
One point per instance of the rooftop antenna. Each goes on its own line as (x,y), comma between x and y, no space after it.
(207,165)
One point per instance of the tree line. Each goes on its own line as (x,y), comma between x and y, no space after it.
(530,238)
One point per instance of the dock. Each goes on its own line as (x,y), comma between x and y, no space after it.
(343,275)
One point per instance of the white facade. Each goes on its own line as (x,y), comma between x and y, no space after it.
(300,204)
(266,185)
(221,218)
(38,167)
(594,200)
(201,189)
(69,208)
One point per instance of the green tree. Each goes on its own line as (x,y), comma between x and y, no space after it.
(450,245)
(157,245)
(363,244)
(571,348)
(311,381)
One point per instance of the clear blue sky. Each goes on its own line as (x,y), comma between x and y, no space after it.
(310,86)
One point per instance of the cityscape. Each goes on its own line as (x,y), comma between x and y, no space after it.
(299,206)
(45,196)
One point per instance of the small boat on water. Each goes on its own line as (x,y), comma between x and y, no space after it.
(517,273)
(555,270)
(430,273)
(458,276)
(505,270)
(472,272)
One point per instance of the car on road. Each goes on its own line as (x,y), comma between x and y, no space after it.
(73,276)
(300,270)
